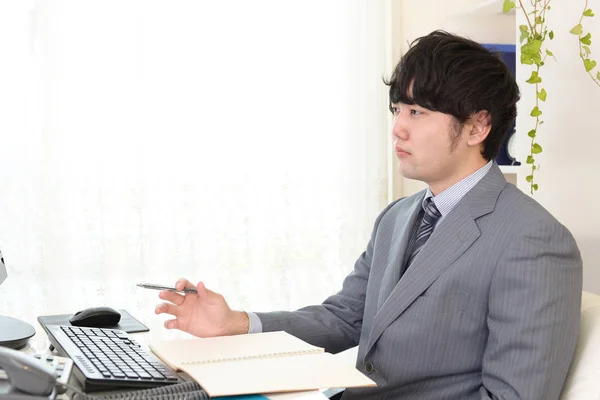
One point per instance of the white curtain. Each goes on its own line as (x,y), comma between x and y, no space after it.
(241,143)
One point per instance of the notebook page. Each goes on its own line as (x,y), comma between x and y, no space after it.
(177,353)
(270,375)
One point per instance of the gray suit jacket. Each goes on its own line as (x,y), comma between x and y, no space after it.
(489,309)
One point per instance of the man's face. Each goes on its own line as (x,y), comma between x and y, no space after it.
(430,145)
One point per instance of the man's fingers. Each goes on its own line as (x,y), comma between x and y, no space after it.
(166,308)
(172,324)
(183,283)
(173,297)
(202,290)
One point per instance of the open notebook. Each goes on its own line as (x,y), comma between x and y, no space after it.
(257,363)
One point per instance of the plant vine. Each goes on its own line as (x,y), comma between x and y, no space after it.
(585,41)
(534,52)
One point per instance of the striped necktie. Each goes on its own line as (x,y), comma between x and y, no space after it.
(430,217)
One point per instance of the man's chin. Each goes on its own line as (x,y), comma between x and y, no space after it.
(409,174)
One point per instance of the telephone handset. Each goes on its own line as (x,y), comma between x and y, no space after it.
(26,376)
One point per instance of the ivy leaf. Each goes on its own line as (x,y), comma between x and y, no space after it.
(534,186)
(534,78)
(577,29)
(525,59)
(531,52)
(508,5)
(588,13)
(536,112)
(587,39)
(536,148)
(589,65)
(529,178)
(524,34)
(551,54)
(551,35)
(530,160)
(531,133)
(539,20)
(598,75)
(587,49)
(542,95)
(532,47)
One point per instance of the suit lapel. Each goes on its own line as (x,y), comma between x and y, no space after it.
(402,230)
(450,239)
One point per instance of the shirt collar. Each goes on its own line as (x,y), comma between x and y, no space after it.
(449,198)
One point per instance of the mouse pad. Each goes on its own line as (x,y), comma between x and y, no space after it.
(127,323)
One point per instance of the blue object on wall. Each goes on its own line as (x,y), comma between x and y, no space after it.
(507,52)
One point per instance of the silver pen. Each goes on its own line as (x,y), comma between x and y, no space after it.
(169,288)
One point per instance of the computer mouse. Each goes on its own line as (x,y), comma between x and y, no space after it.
(96,317)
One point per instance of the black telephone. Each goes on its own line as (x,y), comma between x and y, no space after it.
(26,376)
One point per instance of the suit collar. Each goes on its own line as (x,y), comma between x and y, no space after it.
(450,239)
(483,197)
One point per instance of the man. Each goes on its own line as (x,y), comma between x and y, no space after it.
(468,290)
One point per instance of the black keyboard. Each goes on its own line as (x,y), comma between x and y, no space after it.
(108,359)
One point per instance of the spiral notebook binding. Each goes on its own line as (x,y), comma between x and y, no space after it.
(254,357)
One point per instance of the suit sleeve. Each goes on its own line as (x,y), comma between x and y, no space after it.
(337,322)
(534,312)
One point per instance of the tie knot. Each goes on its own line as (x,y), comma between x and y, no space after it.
(432,214)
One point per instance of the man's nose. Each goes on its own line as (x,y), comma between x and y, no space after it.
(399,126)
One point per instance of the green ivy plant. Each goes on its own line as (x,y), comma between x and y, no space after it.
(585,41)
(534,52)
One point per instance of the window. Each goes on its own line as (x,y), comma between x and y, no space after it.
(239,143)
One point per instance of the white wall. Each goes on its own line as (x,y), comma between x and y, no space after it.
(570,136)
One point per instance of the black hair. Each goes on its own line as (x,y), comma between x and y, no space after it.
(457,76)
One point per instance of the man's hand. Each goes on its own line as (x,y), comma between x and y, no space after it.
(204,314)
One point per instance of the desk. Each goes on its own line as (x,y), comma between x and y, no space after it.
(40,344)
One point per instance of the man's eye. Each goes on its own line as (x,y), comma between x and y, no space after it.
(415,112)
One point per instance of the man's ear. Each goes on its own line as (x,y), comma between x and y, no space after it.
(481,125)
